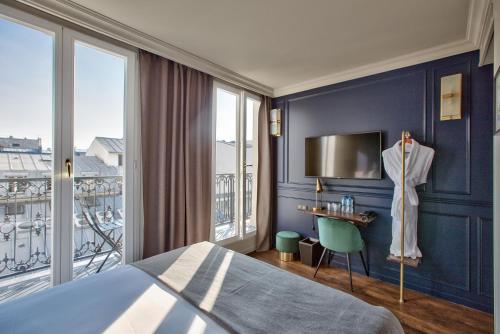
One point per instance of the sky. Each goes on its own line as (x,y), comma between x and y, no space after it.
(26,92)
(225,128)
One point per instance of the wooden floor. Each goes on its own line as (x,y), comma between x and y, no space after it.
(421,313)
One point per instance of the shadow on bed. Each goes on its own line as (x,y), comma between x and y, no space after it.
(245,295)
(113,301)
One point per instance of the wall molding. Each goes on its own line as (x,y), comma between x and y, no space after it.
(414,58)
(466,116)
(480,222)
(480,26)
(82,16)
(330,90)
(382,195)
(468,251)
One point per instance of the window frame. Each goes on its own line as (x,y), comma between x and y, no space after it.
(62,128)
(241,127)
(246,96)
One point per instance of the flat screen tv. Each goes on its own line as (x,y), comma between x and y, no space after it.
(344,156)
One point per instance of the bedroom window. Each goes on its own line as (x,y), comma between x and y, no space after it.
(65,112)
(234,163)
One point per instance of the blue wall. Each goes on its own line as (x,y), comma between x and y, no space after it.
(455,218)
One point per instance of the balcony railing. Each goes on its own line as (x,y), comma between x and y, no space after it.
(225,204)
(25,220)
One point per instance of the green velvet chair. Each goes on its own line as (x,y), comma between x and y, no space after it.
(340,236)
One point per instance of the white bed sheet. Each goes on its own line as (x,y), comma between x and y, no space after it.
(124,300)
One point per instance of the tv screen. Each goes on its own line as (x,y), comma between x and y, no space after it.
(346,156)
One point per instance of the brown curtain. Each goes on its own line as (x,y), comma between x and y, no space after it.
(176,130)
(265,183)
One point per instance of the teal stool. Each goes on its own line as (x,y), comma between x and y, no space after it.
(340,236)
(287,243)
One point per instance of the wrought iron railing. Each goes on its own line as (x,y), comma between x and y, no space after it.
(225,200)
(26,218)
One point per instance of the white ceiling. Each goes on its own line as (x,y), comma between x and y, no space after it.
(286,44)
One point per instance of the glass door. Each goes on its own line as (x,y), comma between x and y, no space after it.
(235,163)
(29,189)
(227,106)
(98,154)
(67,145)
(249,153)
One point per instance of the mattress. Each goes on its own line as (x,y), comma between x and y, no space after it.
(245,295)
(202,288)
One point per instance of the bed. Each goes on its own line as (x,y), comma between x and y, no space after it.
(201,288)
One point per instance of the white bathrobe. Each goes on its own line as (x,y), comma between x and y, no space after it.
(418,162)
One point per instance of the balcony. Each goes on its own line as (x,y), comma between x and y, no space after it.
(25,227)
(225,205)
(25,230)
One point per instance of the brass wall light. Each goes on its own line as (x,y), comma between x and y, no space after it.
(275,120)
(451,97)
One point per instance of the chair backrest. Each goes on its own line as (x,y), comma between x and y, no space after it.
(339,236)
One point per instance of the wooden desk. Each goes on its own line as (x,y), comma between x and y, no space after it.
(354,218)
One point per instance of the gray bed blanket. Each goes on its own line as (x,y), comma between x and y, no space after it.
(245,295)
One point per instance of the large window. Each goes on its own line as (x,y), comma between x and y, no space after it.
(67,204)
(235,163)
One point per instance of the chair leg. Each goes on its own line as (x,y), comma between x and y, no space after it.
(330,258)
(349,268)
(364,264)
(319,263)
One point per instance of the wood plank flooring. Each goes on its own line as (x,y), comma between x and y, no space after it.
(421,313)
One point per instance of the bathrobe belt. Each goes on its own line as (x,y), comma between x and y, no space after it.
(412,199)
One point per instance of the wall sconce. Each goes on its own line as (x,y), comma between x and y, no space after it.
(451,97)
(275,120)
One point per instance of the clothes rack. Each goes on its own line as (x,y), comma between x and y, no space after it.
(405,135)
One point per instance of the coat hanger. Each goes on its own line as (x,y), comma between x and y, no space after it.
(408,139)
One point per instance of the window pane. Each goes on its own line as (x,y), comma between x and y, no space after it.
(26,105)
(99,146)
(226,165)
(252,108)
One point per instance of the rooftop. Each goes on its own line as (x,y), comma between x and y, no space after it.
(112,145)
(12,144)
(39,164)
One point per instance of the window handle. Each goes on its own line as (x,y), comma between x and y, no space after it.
(68,166)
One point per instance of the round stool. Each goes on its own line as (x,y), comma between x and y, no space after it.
(287,243)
